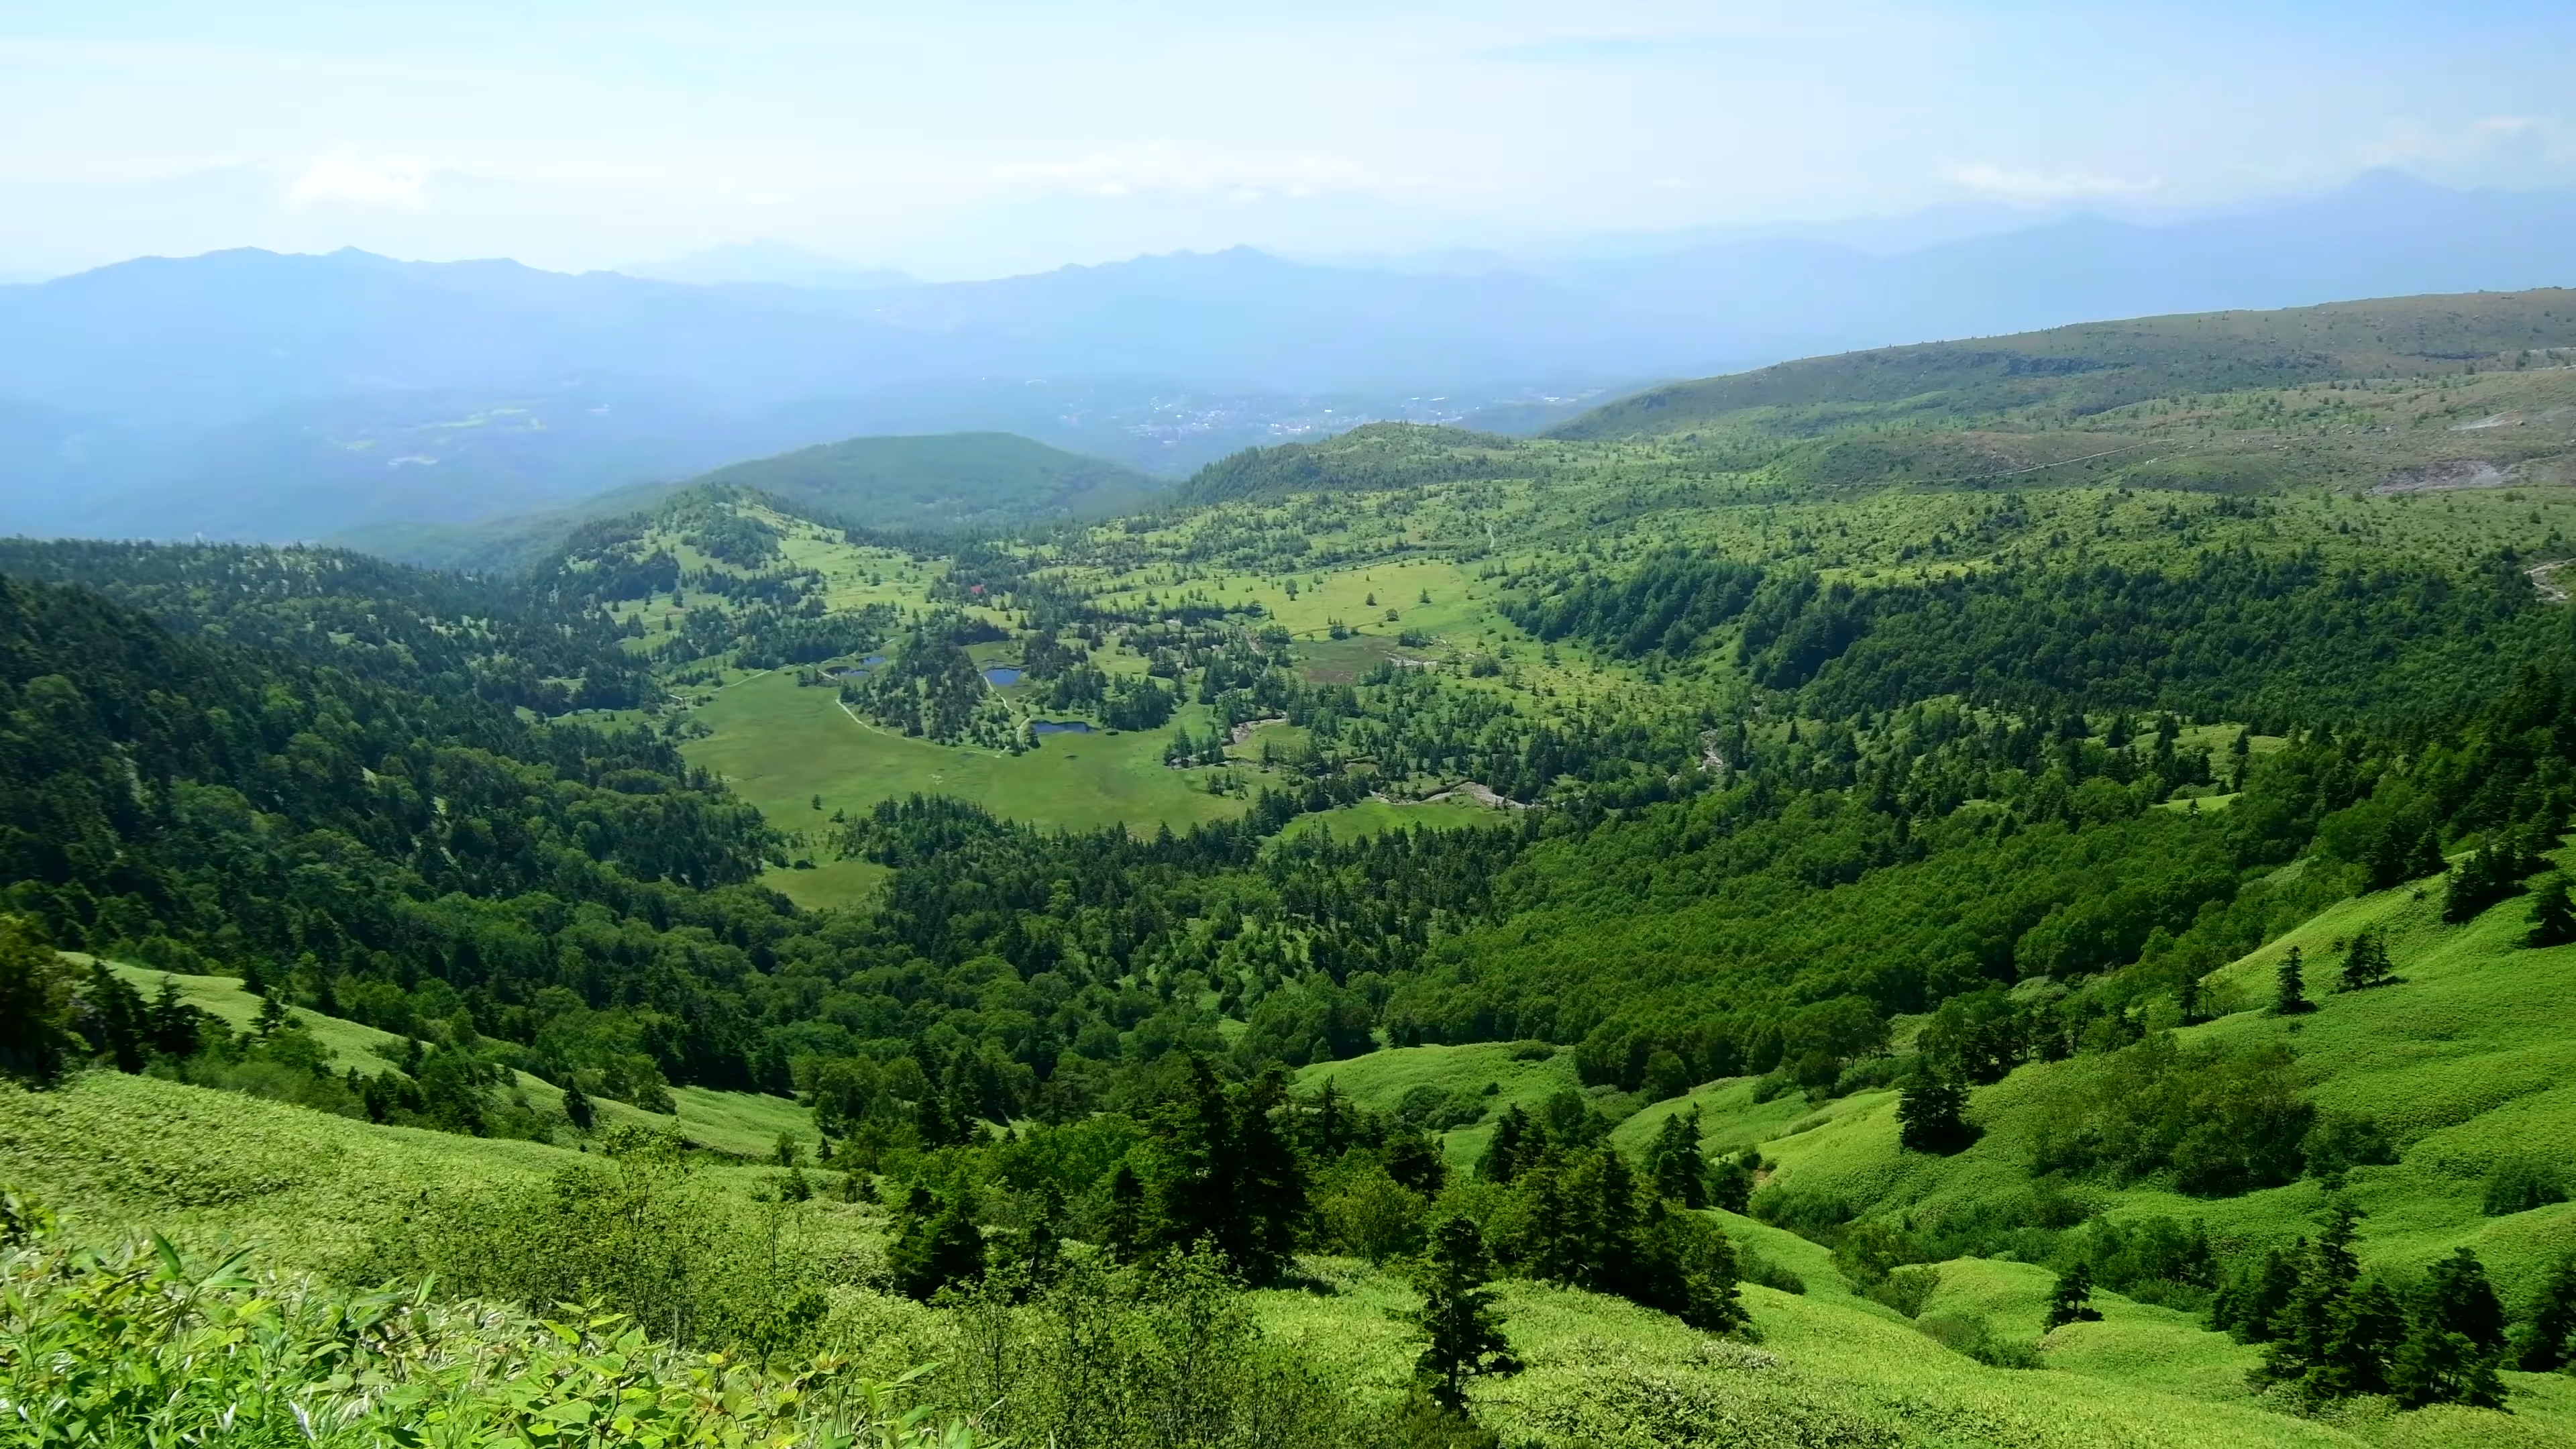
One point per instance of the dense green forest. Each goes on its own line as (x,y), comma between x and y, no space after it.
(1727,870)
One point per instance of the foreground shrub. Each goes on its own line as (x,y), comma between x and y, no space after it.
(143,1345)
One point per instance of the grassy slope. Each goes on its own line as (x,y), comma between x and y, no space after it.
(2094,366)
(2468,1044)
(2466,1061)
(1379,1080)
(742,1124)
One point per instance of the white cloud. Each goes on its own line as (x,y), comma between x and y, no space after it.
(398,183)
(2491,149)
(2018,184)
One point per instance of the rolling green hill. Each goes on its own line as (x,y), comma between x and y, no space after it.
(936,483)
(946,481)
(2096,367)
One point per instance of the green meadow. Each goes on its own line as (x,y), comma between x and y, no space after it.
(780,746)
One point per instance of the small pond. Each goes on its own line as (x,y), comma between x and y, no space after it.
(1061,727)
(1001,675)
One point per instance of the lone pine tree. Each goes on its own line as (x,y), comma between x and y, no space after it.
(1457,1317)
(2071,1301)
(2552,922)
(2290,987)
(1931,1116)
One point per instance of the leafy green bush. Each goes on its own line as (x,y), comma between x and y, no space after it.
(2519,1184)
(142,1345)
(2220,1123)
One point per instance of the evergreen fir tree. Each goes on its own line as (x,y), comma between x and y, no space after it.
(2365,962)
(2553,923)
(2290,987)
(1674,1164)
(936,1245)
(2334,1336)
(2369,1325)
(2071,1301)
(2457,1298)
(1611,1243)
(576,1105)
(2491,873)
(173,1026)
(1685,1266)
(1413,1160)
(930,1119)
(2434,1367)
(1457,1317)
(273,1017)
(1517,1142)
(1331,1124)
(1931,1116)
(114,1018)
(2546,1342)
(1125,1229)
(1555,1242)
(2251,1306)
(1730,1184)
(2455,1336)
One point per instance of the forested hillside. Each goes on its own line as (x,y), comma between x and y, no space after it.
(1999,893)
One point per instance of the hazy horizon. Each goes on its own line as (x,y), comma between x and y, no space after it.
(1003,139)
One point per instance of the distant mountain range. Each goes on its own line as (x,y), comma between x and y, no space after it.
(247,394)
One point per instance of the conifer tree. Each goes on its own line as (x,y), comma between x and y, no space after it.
(2365,962)
(273,1017)
(2546,1342)
(2457,1298)
(2335,1334)
(113,1018)
(2368,1327)
(1457,1317)
(1556,1242)
(2290,987)
(2435,1367)
(2071,1301)
(1516,1144)
(1611,1249)
(172,1024)
(576,1105)
(2553,923)
(1674,1164)
(1730,1184)
(937,1244)
(1931,1116)
(2252,1306)
(35,1003)
(1413,1160)
(1126,1228)
(1237,1183)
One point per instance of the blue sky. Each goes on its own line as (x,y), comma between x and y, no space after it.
(973,139)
